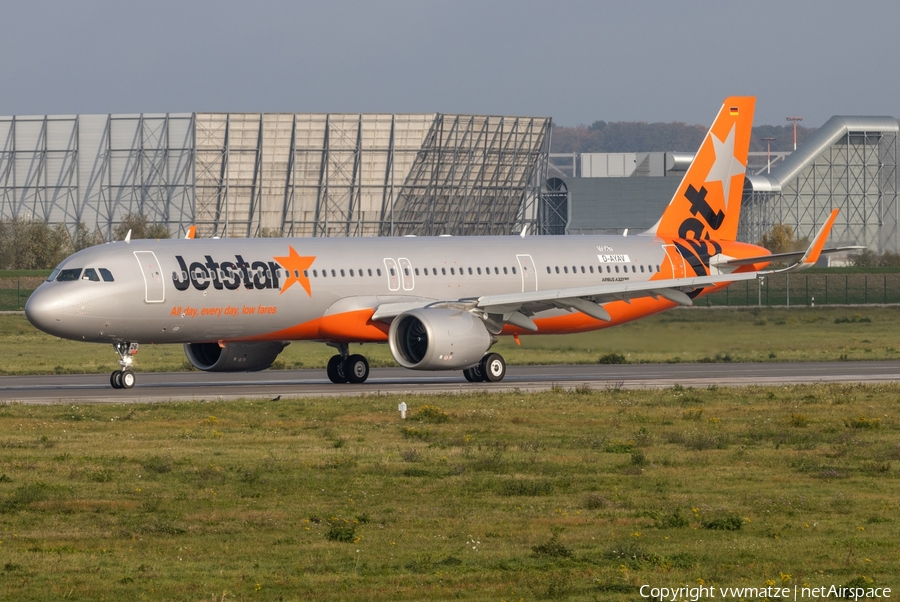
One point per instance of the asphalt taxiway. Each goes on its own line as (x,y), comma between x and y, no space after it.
(172,386)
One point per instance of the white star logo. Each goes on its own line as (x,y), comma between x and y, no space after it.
(726,165)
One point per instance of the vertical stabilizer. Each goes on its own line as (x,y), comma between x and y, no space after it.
(708,202)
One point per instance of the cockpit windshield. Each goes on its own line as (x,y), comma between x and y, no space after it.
(91,274)
(70,274)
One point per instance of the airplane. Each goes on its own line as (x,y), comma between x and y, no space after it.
(439,302)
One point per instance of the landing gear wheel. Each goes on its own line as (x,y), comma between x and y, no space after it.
(115,379)
(127,378)
(356,369)
(473,374)
(493,367)
(335,370)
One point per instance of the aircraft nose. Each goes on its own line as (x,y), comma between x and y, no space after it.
(44,311)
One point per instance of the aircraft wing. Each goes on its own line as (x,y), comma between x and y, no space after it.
(517,307)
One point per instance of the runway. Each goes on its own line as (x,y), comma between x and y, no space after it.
(175,386)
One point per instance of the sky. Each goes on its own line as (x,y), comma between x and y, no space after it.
(575,61)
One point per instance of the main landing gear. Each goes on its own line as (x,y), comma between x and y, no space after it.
(346,368)
(124,378)
(491,369)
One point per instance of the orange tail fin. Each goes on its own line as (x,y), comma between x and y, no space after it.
(708,202)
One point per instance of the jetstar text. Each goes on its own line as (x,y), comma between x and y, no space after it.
(229,275)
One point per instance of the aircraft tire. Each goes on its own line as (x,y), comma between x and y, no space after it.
(335,370)
(473,374)
(115,379)
(493,368)
(127,379)
(356,369)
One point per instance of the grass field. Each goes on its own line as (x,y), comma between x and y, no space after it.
(684,335)
(580,495)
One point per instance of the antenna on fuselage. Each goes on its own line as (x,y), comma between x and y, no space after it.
(524,231)
(128,236)
(625,233)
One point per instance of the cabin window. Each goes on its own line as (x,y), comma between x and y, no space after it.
(642,269)
(370,271)
(452,272)
(392,272)
(592,269)
(470,271)
(479,271)
(633,269)
(416,271)
(548,269)
(378,271)
(351,273)
(514,269)
(324,273)
(305,274)
(505,272)
(582,269)
(107,275)
(617,269)
(566,269)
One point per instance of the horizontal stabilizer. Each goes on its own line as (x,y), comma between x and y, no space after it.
(783,256)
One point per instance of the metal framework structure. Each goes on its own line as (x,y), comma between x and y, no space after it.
(95,169)
(261,174)
(473,175)
(850,163)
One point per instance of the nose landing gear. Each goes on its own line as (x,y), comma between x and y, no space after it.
(124,378)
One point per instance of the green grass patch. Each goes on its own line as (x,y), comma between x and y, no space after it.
(582,495)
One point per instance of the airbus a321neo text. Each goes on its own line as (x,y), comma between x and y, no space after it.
(439,302)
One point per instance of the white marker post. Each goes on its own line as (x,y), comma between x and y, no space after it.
(402,408)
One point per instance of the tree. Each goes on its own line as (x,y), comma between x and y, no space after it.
(29,244)
(140,227)
(780,239)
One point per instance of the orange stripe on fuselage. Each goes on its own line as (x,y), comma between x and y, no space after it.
(348,327)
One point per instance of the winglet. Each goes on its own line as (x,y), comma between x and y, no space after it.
(812,254)
(191,232)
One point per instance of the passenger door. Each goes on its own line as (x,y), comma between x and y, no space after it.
(529,274)
(154,286)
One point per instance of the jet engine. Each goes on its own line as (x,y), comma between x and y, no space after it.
(233,357)
(438,339)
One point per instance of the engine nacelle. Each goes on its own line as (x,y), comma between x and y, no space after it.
(233,357)
(438,339)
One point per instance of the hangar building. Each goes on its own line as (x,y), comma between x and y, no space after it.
(263,174)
